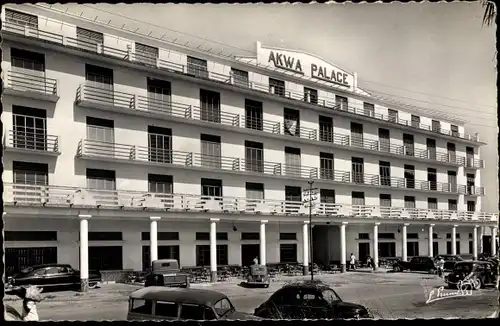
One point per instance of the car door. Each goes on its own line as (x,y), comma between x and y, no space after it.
(414,264)
(313,305)
(36,277)
(284,304)
(65,277)
(52,276)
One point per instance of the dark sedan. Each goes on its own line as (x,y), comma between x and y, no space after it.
(416,264)
(51,275)
(476,274)
(309,300)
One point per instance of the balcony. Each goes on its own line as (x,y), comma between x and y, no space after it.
(472,191)
(471,163)
(30,86)
(75,46)
(32,142)
(143,155)
(75,197)
(104,98)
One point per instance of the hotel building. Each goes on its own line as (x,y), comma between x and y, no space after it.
(121,148)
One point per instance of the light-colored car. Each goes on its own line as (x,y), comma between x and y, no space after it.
(166,272)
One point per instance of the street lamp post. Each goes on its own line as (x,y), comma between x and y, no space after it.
(310,202)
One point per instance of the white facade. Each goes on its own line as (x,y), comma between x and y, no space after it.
(67,161)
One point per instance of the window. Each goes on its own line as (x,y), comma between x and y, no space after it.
(159,96)
(470,156)
(386,236)
(222,307)
(240,77)
(358,198)
(471,206)
(385,173)
(101,179)
(288,236)
(288,253)
(30,128)
(431,148)
(471,181)
(452,155)
(146,54)
(409,176)
(393,115)
(203,255)
(166,309)
(20,18)
(292,161)
(101,130)
(162,236)
(432,178)
(410,205)
(160,184)
(88,39)
(368,109)
(17,259)
(452,181)
(293,194)
(326,129)
(253,115)
(341,102)
(454,131)
(452,204)
(276,87)
(254,190)
(471,247)
(105,236)
(327,196)
(210,151)
(28,62)
(210,106)
(310,95)
(254,156)
(448,247)
(436,126)
(250,236)
(363,236)
(191,311)
(356,134)
(103,258)
(415,121)
(387,249)
(29,179)
(100,77)
(326,166)
(412,248)
(211,187)
(357,165)
(448,235)
(385,200)
(159,144)
(432,203)
(409,144)
(30,236)
(197,67)
(384,139)
(291,122)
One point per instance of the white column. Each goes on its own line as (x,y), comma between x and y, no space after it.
(343,248)
(405,242)
(263,242)
(494,231)
(454,240)
(305,246)
(431,241)
(153,237)
(480,245)
(84,252)
(474,242)
(213,249)
(375,244)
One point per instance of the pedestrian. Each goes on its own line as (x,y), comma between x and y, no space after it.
(440,266)
(369,262)
(255,261)
(353,262)
(30,296)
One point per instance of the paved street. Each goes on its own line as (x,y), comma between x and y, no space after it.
(387,295)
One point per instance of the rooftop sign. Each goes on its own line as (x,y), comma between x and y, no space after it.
(304,64)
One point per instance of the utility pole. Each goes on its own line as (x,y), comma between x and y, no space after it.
(310,202)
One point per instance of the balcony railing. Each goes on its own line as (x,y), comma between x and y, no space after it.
(25,82)
(32,141)
(60,196)
(104,96)
(205,73)
(474,163)
(472,191)
(98,149)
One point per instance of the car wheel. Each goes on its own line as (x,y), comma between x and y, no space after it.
(477,283)
(92,285)
(397,269)
(432,271)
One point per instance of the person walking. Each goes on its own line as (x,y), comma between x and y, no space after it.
(352,263)
(255,261)
(369,263)
(440,267)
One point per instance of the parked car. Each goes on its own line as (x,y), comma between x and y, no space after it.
(51,275)
(182,304)
(258,276)
(309,300)
(480,274)
(449,261)
(416,264)
(166,272)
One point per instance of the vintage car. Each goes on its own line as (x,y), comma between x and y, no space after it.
(309,300)
(449,261)
(160,303)
(51,275)
(473,274)
(166,272)
(258,276)
(416,264)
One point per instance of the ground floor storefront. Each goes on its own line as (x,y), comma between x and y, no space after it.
(114,244)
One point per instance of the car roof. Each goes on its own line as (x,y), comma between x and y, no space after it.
(193,296)
(472,262)
(47,265)
(318,285)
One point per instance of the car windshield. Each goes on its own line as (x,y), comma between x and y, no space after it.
(330,296)
(222,307)
(464,268)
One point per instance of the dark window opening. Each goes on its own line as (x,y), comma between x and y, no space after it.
(385,173)
(291,122)
(254,156)
(197,67)
(356,134)
(409,176)
(385,200)
(276,87)
(310,95)
(357,165)
(240,77)
(211,151)
(210,106)
(326,166)
(293,165)
(326,129)
(384,139)
(253,115)
(288,253)
(211,188)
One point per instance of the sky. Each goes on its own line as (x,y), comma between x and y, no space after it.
(432,55)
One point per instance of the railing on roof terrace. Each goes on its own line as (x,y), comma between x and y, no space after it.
(205,73)
(98,149)
(61,196)
(23,81)
(213,114)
